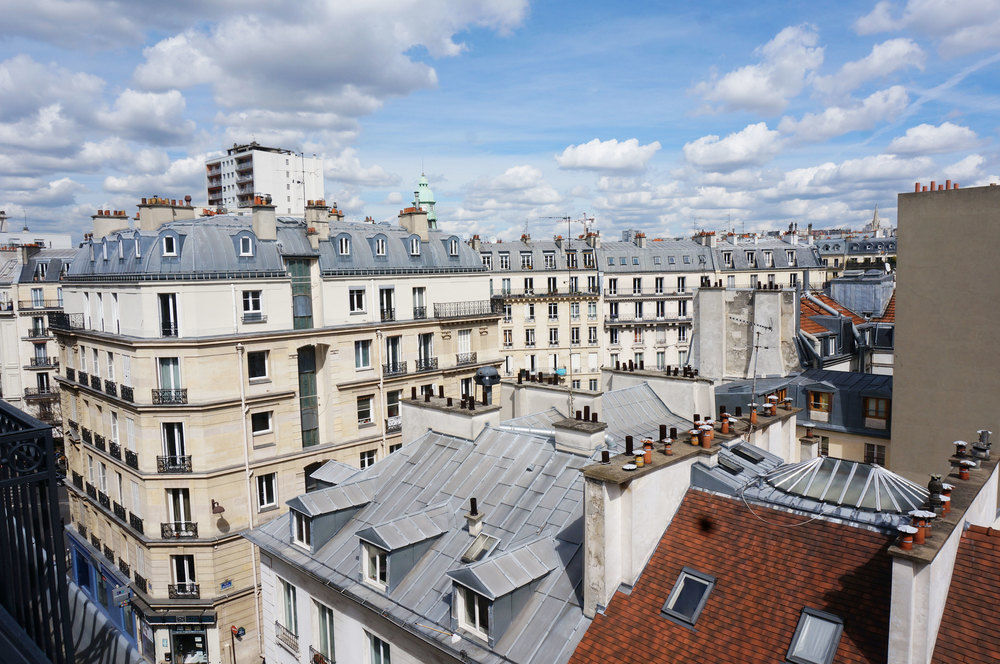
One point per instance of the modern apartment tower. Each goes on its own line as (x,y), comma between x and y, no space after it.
(290,178)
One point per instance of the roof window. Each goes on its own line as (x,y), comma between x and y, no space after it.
(301,531)
(453,247)
(622,260)
(246,246)
(344,245)
(375,562)
(816,638)
(380,246)
(656,260)
(688,597)
(730,466)
(670,259)
(169,245)
(687,260)
(414,246)
(480,548)
(635,260)
(747,453)
(611,260)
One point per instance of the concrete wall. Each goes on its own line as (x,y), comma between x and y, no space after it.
(948,374)
(418,419)
(519,399)
(684,396)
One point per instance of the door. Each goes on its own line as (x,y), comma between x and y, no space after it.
(189,647)
(170,373)
(386,300)
(464,342)
(392,352)
(179,510)
(168,314)
(173,440)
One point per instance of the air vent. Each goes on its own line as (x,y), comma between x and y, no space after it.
(745,452)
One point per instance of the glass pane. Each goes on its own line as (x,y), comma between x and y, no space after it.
(686,599)
(815,639)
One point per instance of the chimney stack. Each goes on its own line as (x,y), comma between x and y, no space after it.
(107,222)
(265,222)
(474,518)
(414,220)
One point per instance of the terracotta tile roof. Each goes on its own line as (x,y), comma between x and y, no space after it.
(889,316)
(766,572)
(808,309)
(968,633)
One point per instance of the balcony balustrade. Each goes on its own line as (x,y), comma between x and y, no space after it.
(178,529)
(173,464)
(163,397)
(183,591)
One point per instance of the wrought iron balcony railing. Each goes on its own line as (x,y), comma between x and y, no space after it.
(173,464)
(43,362)
(128,394)
(388,315)
(104,500)
(170,396)
(178,529)
(95,382)
(110,388)
(286,637)
(136,523)
(141,583)
(393,424)
(468,309)
(115,450)
(131,459)
(109,553)
(91,490)
(394,369)
(77,480)
(40,393)
(427,363)
(99,442)
(39,304)
(183,591)
(82,377)
(71,374)
(95,541)
(254,317)
(120,512)
(465,358)
(316,657)
(39,333)
(419,313)
(124,568)
(82,529)
(87,436)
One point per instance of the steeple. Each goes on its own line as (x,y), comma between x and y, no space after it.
(423,198)
(875,220)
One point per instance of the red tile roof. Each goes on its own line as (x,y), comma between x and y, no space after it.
(767,570)
(968,632)
(807,309)
(889,316)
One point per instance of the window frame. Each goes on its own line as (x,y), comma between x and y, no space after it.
(370,400)
(344,245)
(270,423)
(380,578)
(823,407)
(835,643)
(172,251)
(262,489)
(667,610)
(246,246)
(351,292)
(366,345)
(868,414)
(479,627)
(267,373)
(301,530)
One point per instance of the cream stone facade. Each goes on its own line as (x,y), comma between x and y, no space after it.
(211,364)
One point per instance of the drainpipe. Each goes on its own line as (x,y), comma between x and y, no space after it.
(381,387)
(244,409)
(236,315)
(811,343)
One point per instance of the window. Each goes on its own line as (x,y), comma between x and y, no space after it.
(529,285)
(657,260)
(251,306)
(529,337)
(793,279)
(356,300)
(820,401)
(635,260)
(790,254)
(875,454)
(111,364)
(613,336)
(362,354)
(688,597)
(824,446)
(246,246)
(376,565)
(816,638)
(526,260)
(344,246)
(257,364)
(364,410)
(553,311)
(266,485)
(727,258)
(290,612)
(260,423)
(681,284)
(453,247)
(323,642)
(473,612)
(508,338)
(591,335)
(592,309)
(571,259)
(658,285)
(876,409)
(574,336)
(414,246)
(487,261)
(378,650)
(661,360)
(395,447)
(380,246)
(504,261)
(367,458)
(169,246)
(553,336)
(682,334)
(552,285)
(593,385)
(612,286)
(731,281)
(550,260)
(300,529)
(574,309)
(637,285)
(768,259)
(751,259)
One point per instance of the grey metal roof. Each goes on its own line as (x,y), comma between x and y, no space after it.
(638,412)
(502,574)
(806,256)
(336,498)
(538,249)
(529,493)
(96,640)
(334,472)
(656,256)
(540,420)
(412,528)
(9,271)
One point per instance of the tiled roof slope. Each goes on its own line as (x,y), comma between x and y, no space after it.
(889,315)
(767,569)
(968,629)
(808,309)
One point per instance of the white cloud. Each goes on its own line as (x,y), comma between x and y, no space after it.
(965,169)
(57,192)
(928,139)
(754,144)
(958,27)
(182,177)
(837,120)
(767,87)
(27,85)
(151,117)
(597,155)
(394,198)
(831,179)
(885,58)
(347,168)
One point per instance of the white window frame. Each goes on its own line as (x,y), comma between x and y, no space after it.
(362,354)
(453,247)
(344,246)
(380,246)
(267,363)
(376,576)
(267,491)
(480,624)
(172,249)
(365,421)
(414,246)
(270,423)
(246,245)
(323,629)
(363,300)
(301,530)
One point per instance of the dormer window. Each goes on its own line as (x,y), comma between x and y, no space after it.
(751,259)
(138,251)
(768,259)
(380,246)
(453,247)
(246,246)
(727,258)
(169,245)
(121,249)
(688,597)
(791,257)
(344,246)
(91,252)
(816,638)
(375,565)
(414,246)
(473,612)
(301,534)
(40,271)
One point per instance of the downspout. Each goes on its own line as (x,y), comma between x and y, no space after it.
(240,351)
(810,341)
(381,387)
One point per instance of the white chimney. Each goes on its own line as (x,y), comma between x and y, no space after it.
(265,223)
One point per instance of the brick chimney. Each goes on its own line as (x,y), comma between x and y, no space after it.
(318,218)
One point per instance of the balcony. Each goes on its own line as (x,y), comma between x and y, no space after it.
(286,637)
(178,529)
(95,541)
(131,459)
(419,313)
(183,591)
(43,363)
(136,523)
(115,450)
(141,584)
(168,330)
(81,377)
(120,512)
(427,364)
(91,490)
(87,436)
(35,305)
(99,442)
(163,397)
(128,394)
(77,480)
(465,358)
(82,529)
(110,388)
(40,393)
(95,382)
(388,315)
(71,374)
(104,500)
(61,321)
(73,424)
(316,657)
(394,369)
(254,317)
(109,553)
(39,333)
(393,424)
(173,464)
(124,568)
(475,308)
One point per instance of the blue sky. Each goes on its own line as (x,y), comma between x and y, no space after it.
(666,117)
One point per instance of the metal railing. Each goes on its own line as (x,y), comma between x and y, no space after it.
(115,450)
(43,362)
(40,393)
(468,309)
(393,424)
(419,313)
(183,591)
(127,393)
(178,529)
(87,436)
(39,304)
(109,553)
(104,500)
(168,329)
(140,583)
(34,599)
(119,511)
(77,480)
(427,363)
(388,315)
(71,374)
(131,459)
(170,396)
(124,568)
(95,382)
(316,657)
(286,637)
(110,388)
(173,464)
(136,523)
(394,369)
(465,358)
(82,378)
(254,317)
(63,321)
(99,442)
(38,333)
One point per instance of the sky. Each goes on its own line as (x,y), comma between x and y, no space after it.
(665,117)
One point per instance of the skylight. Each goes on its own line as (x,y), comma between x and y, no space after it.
(730,466)
(481,546)
(749,454)
(688,597)
(816,638)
